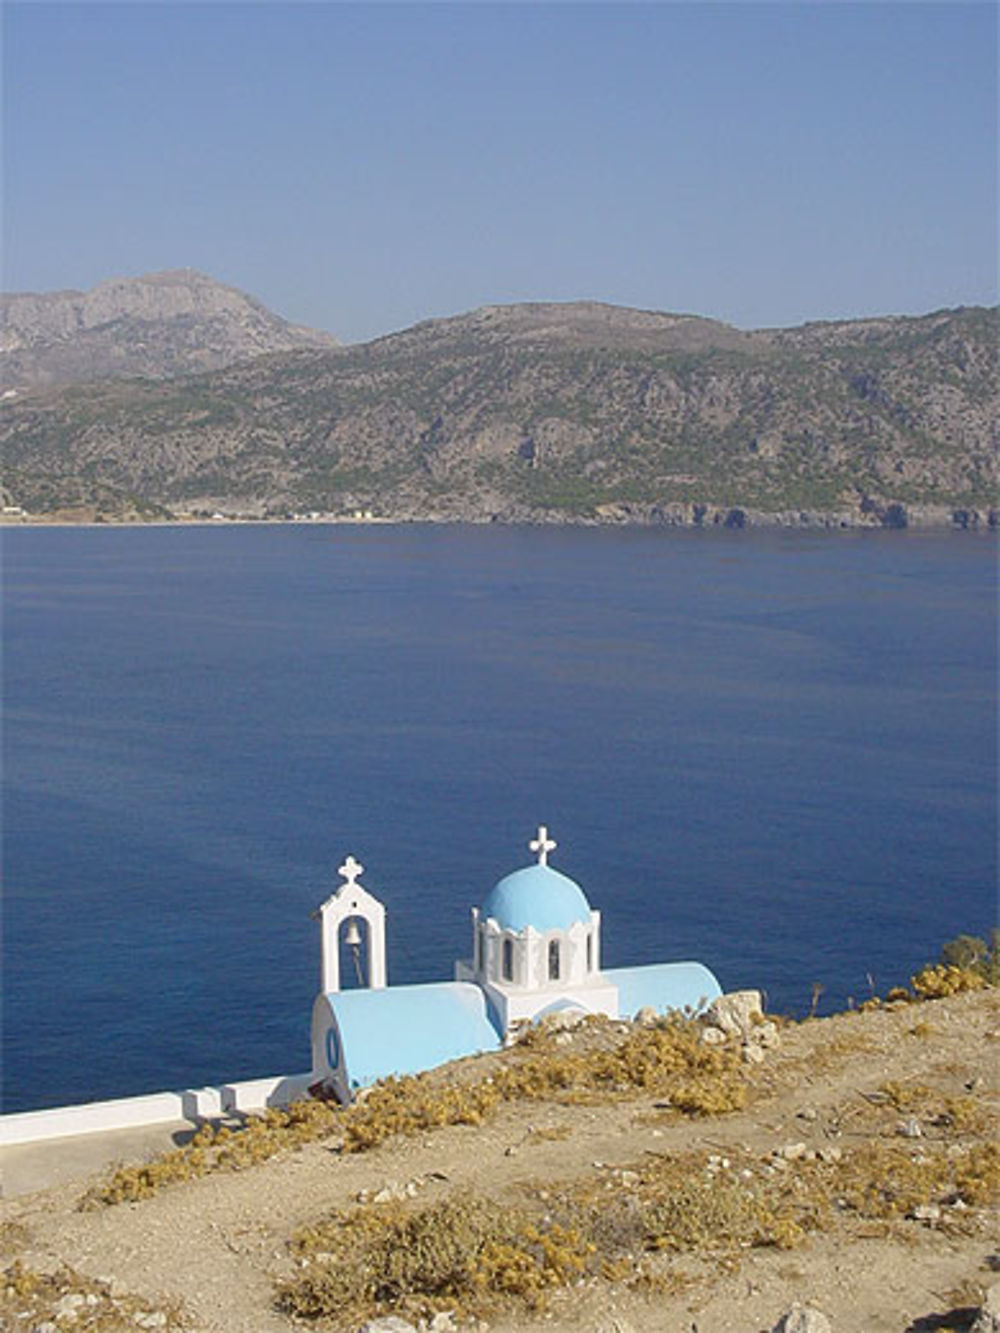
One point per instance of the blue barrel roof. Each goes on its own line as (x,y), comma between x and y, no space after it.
(663,986)
(406,1029)
(536,896)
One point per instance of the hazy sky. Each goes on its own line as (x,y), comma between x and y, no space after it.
(360,167)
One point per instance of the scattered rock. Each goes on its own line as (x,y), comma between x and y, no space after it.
(713,1036)
(67,1307)
(647,1017)
(791,1152)
(735,1013)
(151,1319)
(766,1035)
(563,1020)
(391,1192)
(910,1129)
(988,1318)
(752,1054)
(803,1319)
(830,1155)
(926,1212)
(390,1323)
(443,1322)
(807,1113)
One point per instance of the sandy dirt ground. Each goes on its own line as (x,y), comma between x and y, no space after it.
(211,1249)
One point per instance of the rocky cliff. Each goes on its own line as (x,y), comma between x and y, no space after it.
(155,326)
(545,413)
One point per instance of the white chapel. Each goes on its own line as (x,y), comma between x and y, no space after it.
(536,950)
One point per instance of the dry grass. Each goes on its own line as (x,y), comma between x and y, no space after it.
(668,1060)
(66,1299)
(14,1236)
(536,1134)
(603,1063)
(629,1225)
(220,1148)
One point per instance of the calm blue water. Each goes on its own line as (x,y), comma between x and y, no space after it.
(775,753)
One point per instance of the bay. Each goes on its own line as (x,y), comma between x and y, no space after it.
(774,752)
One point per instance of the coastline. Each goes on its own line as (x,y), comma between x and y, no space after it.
(924,519)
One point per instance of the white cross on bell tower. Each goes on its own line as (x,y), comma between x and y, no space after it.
(543,844)
(350,871)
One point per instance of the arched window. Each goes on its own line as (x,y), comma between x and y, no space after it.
(553,960)
(590,953)
(507,960)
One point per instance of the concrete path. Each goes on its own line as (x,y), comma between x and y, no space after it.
(27,1167)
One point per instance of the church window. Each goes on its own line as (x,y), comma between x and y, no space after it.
(553,960)
(590,953)
(508,960)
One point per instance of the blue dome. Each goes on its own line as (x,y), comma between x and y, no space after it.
(536,896)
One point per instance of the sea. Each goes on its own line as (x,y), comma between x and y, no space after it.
(774,752)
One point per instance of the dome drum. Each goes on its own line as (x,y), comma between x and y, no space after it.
(532,959)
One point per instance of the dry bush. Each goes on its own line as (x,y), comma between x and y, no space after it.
(465,1253)
(881,1181)
(941,979)
(685,1202)
(668,1059)
(939,1110)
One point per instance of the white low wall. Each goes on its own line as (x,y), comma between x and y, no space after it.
(192,1105)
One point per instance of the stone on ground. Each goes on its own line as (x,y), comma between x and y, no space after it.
(803,1319)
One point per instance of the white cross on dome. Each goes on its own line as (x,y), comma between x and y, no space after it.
(543,844)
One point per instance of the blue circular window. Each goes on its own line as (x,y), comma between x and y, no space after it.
(333,1047)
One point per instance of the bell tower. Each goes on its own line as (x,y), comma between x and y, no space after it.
(349,905)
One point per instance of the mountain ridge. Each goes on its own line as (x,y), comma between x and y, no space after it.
(156,325)
(547,411)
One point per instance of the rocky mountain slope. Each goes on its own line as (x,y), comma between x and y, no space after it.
(155,326)
(544,413)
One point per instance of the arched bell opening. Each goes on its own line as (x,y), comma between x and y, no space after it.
(355,953)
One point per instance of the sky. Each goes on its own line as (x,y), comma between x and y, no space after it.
(360,167)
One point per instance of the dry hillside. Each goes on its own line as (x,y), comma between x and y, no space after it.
(604,1179)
